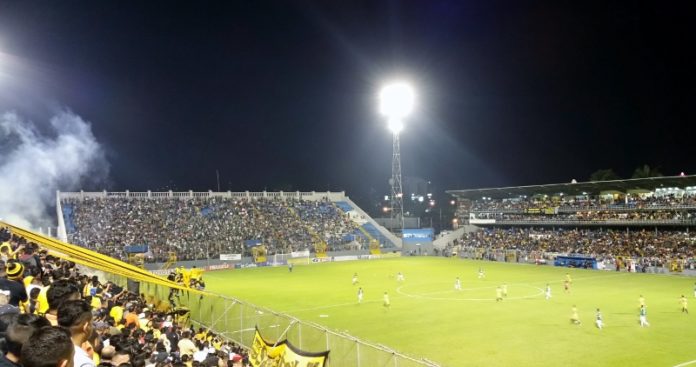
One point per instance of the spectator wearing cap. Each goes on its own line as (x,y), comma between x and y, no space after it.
(16,289)
(48,347)
(15,271)
(76,316)
(18,333)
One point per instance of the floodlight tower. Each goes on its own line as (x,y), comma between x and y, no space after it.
(396,101)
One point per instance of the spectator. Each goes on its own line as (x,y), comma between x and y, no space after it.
(60,291)
(17,292)
(49,346)
(185,344)
(18,333)
(76,316)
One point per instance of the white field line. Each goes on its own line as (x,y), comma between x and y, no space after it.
(686,363)
(426,295)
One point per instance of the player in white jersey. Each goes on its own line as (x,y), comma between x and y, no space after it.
(360,295)
(547,292)
(386,303)
(643,317)
(355,278)
(481,273)
(457,284)
(598,319)
(399,277)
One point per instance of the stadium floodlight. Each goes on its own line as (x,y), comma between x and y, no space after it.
(396,101)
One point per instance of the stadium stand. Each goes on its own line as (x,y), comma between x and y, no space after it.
(127,328)
(643,222)
(204,227)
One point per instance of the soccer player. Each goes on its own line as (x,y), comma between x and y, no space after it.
(355,278)
(643,317)
(481,273)
(386,303)
(399,277)
(598,319)
(504,287)
(694,290)
(498,294)
(574,318)
(684,304)
(290,267)
(360,295)
(547,292)
(457,284)
(566,286)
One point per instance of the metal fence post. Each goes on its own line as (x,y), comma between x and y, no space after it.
(357,349)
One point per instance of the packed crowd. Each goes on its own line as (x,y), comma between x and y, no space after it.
(650,245)
(599,215)
(200,228)
(53,314)
(583,202)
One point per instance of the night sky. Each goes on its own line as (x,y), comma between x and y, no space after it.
(281,95)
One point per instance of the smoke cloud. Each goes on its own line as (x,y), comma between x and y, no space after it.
(35,162)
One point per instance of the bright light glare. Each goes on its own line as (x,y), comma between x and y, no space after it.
(395,125)
(396,101)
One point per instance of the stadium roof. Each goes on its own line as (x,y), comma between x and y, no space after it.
(590,187)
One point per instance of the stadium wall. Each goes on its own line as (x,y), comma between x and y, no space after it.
(217,264)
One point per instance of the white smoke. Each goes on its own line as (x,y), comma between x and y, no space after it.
(34,163)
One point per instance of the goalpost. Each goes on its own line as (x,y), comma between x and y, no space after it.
(295,257)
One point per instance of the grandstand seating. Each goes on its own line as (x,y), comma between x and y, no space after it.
(198,228)
(600,219)
(343,205)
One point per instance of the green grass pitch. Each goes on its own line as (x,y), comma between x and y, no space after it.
(429,318)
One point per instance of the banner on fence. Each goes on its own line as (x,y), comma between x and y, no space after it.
(304,253)
(230,257)
(282,353)
(321,259)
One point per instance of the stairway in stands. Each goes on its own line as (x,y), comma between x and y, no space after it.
(366,230)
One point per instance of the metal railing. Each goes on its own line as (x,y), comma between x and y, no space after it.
(312,195)
(575,209)
(608,222)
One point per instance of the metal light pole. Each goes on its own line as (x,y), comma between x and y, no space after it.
(397,195)
(396,101)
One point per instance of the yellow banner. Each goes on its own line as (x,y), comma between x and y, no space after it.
(283,354)
(374,247)
(259,254)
